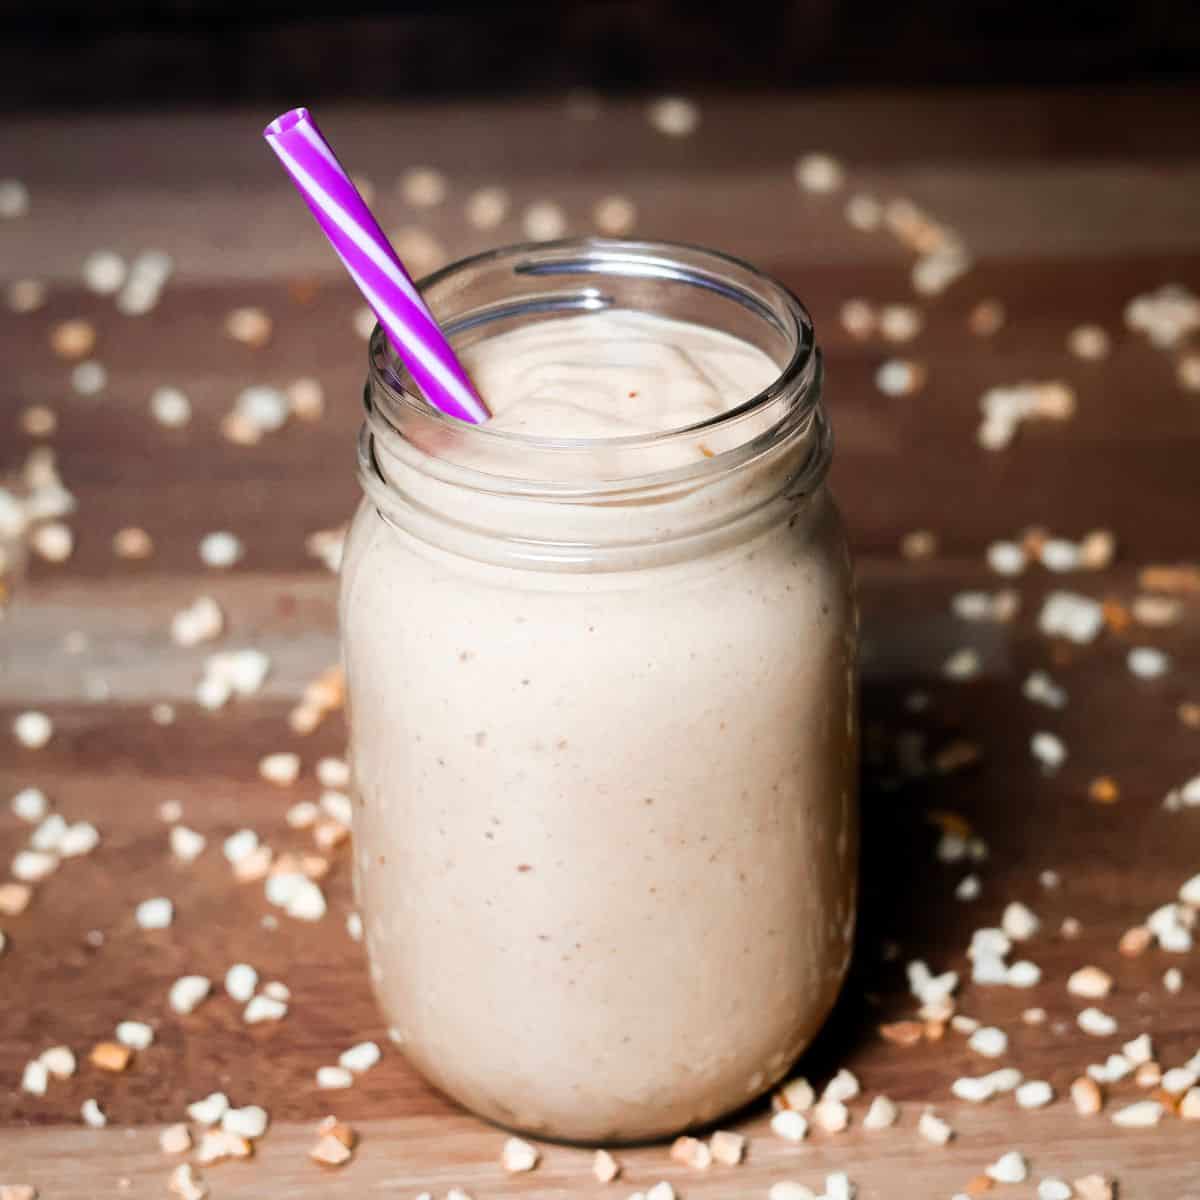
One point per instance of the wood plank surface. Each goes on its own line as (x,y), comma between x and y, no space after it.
(1071,203)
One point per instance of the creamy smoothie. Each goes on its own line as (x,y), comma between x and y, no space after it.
(605,822)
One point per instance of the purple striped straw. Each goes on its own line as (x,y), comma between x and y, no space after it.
(373,265)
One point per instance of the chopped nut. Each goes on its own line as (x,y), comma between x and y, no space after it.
(282,769)
(216,1145)
(789,1125)
(1035,1093)
(186,843)
(933,1129)
(137,1035)
(900,377)
(1139,1115)
(1104,790)
(264,1008)
(544,221)
(818,173)
(604,1167)
(334,1078)
(186,1184)
(674,116)
(988,1041)
(110,1056)
(1089,342)
(92,1115)
(787,1189)
(132,543)
(360,1058)
(209,1110)
(1135,941)
(157,913)
(485,209)
(330,1151)
(728,1148)
(986,318)
(32,866)
(614,216)
(1009,1168)
(1091,982)
(249,325)
(188,992)
(1148,1075)
(1096,1023)
(1140,1049)
(220,549)
(73,339)
(59,1061)
(831,1115)
(882,1113)
(518,1156)
(248,1122)
(902,1033)
(32,729)
(1189,1106)
(1180,579)
(795,1094)
(1095,1187)
(14,898)
(691,1152)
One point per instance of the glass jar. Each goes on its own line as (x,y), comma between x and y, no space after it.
(602,709)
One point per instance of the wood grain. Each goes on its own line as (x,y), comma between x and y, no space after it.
(1070,210)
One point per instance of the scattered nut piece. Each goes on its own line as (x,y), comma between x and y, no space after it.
(32,729)
(249,325)
(1009,1168)
(110,1056)
(73,339)
(789,1125)
(544,221)
(604,1167)
(157,913)
(249,1122)
(360,1058)
(1089,342)
(1141,1114)
(137,1035)
(92,1114)
(933,1129)
(902,1033)
(1096,1023)
(188,992)
(1135,941)
(691,1152)
(59,1061)
(729,1148)
(1095,1187)
(132,543)
(1090,982)
(674,116)
(186,1184)
(882,1113)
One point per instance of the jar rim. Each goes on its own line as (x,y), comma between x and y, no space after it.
(675,261)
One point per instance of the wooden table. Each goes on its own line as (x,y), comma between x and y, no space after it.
(1071,204)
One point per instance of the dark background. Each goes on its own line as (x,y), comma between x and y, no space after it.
(65,53)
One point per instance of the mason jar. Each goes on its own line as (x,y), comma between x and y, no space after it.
(603,726)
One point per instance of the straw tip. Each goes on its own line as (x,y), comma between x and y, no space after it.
(286,121)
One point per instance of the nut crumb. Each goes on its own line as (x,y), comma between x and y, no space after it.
(604,1167)
(729,1148)
(110,1056)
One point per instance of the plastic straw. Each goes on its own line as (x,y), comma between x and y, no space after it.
(373,265)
